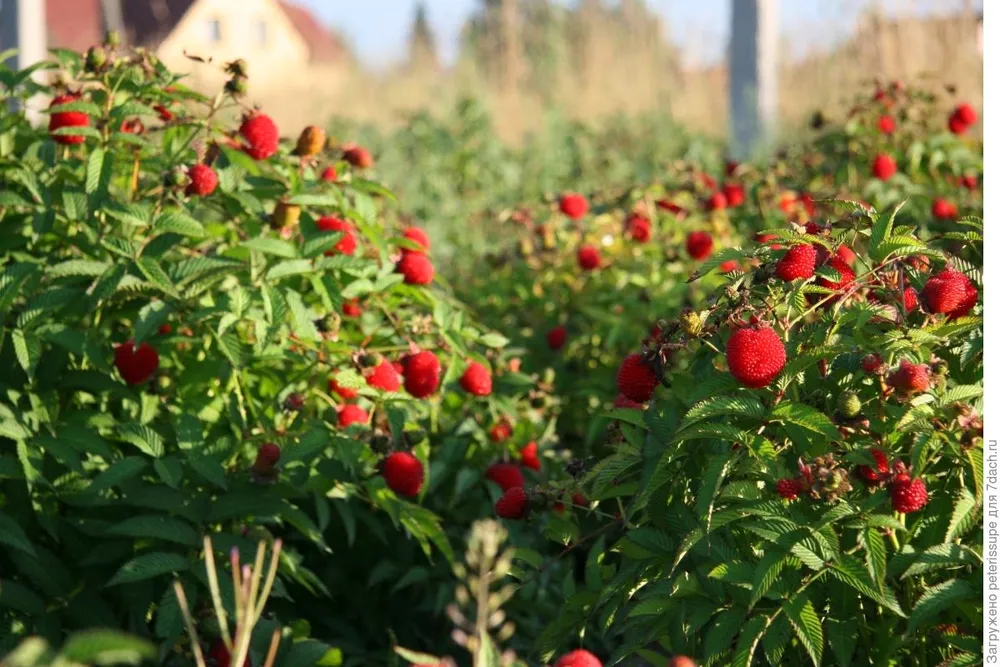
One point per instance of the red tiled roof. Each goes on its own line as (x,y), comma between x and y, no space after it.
(323,45)
(73,24)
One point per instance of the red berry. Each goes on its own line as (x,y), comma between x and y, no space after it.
(788,489)
(716,202)
(729,266)
(755,355)
(416,268)
(588,257)
(556,338)
(886,124)
(681,661)
(798,262)
(404,473)
(351,308)
(871,363)
(699,245)
(529,456)
(63,119)
(942,209)
(500,431)
(666,205)
(351,414)
(966,113)
(165,114)
(970,181)
(505,475)
(638,228)
(956,126)
(347,243)
(731,167)
(133,126)
(219,655)
(874,476)
(707,181)
(967,303)
(383,376)
(910,378)
(261,136)
(636,380)
(267,456)
(573,205)
(329,174)
(513,504)
(946,292)
(734,194)
(910,299)
(203,180)
(421,374)
(358,157)
(808,204)
(626,403)
(165,329)
(579,499)
(419,237)
(578,658)
(883,167)
(847,275)
(344,392)
(136,365)
(908,495)
(477,380)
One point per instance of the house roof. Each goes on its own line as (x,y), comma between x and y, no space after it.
(79,24)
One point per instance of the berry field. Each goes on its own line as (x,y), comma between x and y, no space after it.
(287,397)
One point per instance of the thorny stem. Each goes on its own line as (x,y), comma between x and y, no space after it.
(213,585)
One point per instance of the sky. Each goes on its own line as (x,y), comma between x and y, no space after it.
(378,29)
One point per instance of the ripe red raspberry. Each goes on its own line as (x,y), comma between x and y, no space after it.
(500,431)
(132,126)
(638,228)
(351,414)
(329,175)
(505,475)
(267,456)
(219,655)
(165,329)
(513,504)
(731,167)
(421,374)
(588,257)
(846,254)
(681,661)
(351,308)
(626,403)
(970,181)
(755,355)
(798,262)
(556,337)
(883,167)
(203,180)
(765,238)
(136,365)
(261,136)
(946,292)
(636,380)
(735,194)
(416,268)
(942,209)
(715,202)
(419,237)
(404,473)
(875,476)
(788,489)
(63,119)
(729,266)
(910,299)
(956,126)
(847,275)
(666,205)
(578,658)
(871,363)
(477,380)
(707,181)
(967,303)
(165,114)
(383,376)
(908,495)
(886,124)
(910,378)
(347,244)
(344,392)
(699,245)
(358,157)
(573,205)
(966,113)
(529,456)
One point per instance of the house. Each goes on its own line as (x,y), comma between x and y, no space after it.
(279,41)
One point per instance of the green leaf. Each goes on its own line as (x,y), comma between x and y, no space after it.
(28,349)
(146,439)
(95,166)
(14,536)
(938,557)
(807,417)
(151,317)
(77,267)
(178,222)
(302,318)
(746,406)
(157,526)
(749,640)
(936,599)
(806,623)
(494,340)
(148,566)
(874,544)
(415,657)
(270,246)
(154,273)
(107,647)
(964,516)
(291,267)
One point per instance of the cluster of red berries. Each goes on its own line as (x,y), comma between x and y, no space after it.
(414,264)
(962,118)
(583,658)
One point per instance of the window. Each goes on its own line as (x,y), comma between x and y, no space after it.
(214,30)
(261,29)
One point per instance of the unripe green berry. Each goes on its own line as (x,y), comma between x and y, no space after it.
(849,405)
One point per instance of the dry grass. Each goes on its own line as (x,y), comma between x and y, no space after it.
(607,79)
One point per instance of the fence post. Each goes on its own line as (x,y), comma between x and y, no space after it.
(22,27)
(753,73)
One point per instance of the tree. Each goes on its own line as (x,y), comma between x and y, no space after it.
(423,44)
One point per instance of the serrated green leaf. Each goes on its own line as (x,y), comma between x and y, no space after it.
(800,612)
(148,566)
(936,599)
